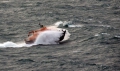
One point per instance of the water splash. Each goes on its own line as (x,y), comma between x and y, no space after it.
(44,38)
(11,44)
(62,24)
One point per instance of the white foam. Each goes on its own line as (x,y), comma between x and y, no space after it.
(45,38)
(11,44)
(51,37)
(117,36)
(58,23)
(97,34)
(67,24)
(48,37)
(75,25)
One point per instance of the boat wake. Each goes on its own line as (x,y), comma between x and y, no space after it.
(12,44)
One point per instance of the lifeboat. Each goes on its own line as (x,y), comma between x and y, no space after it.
(32,35)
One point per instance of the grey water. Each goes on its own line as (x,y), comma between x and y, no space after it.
(94,46)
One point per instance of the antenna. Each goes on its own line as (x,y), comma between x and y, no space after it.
(40,25)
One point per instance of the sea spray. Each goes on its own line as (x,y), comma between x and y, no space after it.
(11,44)
(46,37)
(61,24)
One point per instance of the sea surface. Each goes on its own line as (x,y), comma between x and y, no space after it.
(93,46)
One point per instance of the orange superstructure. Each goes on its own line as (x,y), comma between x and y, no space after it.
(32,35)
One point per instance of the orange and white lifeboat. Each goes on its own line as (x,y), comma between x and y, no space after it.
(57,34)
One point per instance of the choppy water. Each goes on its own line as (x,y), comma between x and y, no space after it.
(93,46)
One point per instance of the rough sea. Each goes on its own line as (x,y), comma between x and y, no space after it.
(94,44)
